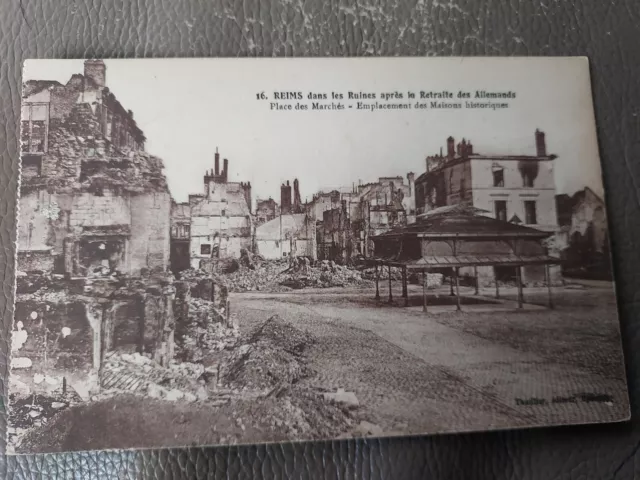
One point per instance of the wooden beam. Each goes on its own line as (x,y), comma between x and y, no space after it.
(451,282)
(424,291)
(475,273)
(390,292)
(548,280)
(405,293)
(377,282)
(519,281)
(458,307)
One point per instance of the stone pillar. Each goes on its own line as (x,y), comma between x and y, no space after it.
(455,272)
(94,312)
(68,252)
(405,290)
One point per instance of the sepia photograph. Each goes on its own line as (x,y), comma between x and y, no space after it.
(239,251)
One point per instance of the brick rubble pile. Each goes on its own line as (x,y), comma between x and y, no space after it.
(282,275)
(272,355)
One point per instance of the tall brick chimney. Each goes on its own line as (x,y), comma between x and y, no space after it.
(96,70)
(297,200)
(246,187)
(541,144)
(285,198)
(225,172)
(411,177)
(217,163)
(451,147)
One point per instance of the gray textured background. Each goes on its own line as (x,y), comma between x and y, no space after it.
(608,32)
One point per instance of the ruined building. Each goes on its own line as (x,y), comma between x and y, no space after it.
(583,237)
(266,210)
(289,203)
(93,234)
(348,219)
(292,234)
(92,202)
(513,188)
(180,236)
(220,219)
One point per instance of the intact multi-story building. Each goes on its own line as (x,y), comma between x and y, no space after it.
(513,188)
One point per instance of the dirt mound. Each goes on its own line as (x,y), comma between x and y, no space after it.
(271,356)
(300,414)
(34,411)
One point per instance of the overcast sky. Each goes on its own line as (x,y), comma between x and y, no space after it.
(187,107)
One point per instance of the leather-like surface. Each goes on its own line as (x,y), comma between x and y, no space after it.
(605,31)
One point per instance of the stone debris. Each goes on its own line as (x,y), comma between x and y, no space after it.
(324,274)
(294,413)
(272,355)
(256,274)
(28,411)
(21,362)
(383,273)
(203,332)
(138,374)
(365,429)
(17,386)
(434,280)
(342,397)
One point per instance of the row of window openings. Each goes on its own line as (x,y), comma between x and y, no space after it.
(530,213)
(498,179)
(34,130)
(205,249)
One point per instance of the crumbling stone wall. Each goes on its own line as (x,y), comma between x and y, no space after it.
(36,261)
(47,346)
(71,324)
(90,210)
(150,231)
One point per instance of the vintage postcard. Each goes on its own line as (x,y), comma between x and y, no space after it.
(225,251)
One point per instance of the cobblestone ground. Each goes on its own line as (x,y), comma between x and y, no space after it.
(470,370)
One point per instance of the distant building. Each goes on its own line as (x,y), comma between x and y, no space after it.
(266,210)
(348,218)
(92,202)
(584,234)
(516,188)
(221,223)
(290,203)
(287,235)
(180,236)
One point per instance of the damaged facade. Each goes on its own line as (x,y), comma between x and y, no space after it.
(291,203)
(584,238)
(180,236)
(287,235)
(349,219)
(97,230)
(519,189)
(221,221)
(92,202)
(266,210)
